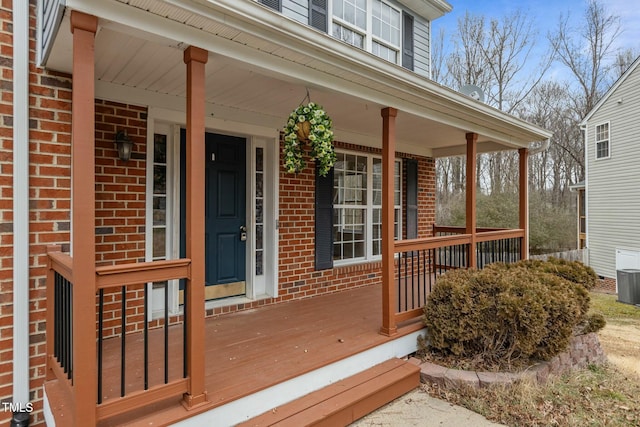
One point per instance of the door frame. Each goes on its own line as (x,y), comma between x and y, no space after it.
(257,286)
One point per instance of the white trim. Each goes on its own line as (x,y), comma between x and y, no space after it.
(266,400)
(586,187)
(49,419)
(20,202)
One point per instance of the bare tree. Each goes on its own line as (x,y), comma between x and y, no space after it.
(587,51)
(624,59)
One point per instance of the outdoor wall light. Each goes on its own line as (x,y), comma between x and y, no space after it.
(124,145)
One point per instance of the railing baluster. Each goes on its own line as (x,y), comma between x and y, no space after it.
(57,327)
(185,328)
(146,337)
(100,342)
(420,277)
(123,330)
(166,332)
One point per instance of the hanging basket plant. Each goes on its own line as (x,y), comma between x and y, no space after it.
(308,125)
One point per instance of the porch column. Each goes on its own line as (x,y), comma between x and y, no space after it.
(83,28)
(195,59)
(523,154)
(472,143)
(388,163)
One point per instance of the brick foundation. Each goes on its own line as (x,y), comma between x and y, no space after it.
(606,285)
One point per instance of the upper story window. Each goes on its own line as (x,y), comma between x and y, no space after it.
(372,25)
(602,141)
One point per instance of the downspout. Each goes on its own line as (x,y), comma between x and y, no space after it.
(21,405)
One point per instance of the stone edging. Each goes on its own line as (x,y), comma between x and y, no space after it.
(583,350)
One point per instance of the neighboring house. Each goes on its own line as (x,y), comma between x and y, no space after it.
(200,232)
(612,184)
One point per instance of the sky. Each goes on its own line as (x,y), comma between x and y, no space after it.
(545,14)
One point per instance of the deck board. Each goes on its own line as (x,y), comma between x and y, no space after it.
(251,350)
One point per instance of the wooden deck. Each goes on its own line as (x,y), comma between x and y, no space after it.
(252,350)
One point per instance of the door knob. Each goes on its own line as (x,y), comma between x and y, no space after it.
(243,233)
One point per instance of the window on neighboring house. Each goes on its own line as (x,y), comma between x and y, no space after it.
(602,141)
(372,25)
(357,206)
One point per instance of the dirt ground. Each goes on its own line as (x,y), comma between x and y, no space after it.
(620,340)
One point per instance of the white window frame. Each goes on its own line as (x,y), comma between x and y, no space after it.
(367,33)
(369,208)
(606,140)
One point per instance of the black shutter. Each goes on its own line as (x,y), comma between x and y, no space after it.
(407,41)
(412,198)
(324,220)
(273,4)
(318,14)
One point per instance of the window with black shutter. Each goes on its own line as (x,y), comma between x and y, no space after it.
(407,41)
(273,4)
(318,14)
(324,221)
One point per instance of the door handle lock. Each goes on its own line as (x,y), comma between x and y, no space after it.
(243,233)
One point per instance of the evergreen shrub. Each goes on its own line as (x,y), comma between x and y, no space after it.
(509,314)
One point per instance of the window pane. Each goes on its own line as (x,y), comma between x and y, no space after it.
(159,210)
(348,36)
(349,233)
(160,148)
(159,240)
(159,179)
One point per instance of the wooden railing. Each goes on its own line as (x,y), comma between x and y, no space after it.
(59,334)
(122,306)
(419,262)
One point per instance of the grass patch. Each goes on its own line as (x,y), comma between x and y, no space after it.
(596,396)
(612,310)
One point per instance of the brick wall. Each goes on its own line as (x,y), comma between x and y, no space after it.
(120,186)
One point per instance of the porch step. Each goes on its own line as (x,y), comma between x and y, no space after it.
(345,401)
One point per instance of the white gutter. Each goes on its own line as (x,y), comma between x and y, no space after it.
(540,148)
(21,205)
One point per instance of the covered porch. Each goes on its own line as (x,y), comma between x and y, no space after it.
(239,71)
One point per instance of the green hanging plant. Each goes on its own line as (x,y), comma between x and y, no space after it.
(308,124)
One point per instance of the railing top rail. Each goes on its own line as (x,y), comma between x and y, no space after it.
(431,243)
(61,263)
(107,270)
(460,230)
(142,272)
(499,234)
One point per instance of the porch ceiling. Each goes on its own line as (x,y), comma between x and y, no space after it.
(259,70)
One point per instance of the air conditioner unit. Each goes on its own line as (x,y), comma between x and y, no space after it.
(629,286)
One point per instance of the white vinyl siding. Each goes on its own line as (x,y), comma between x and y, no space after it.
(296,9)
(613,186)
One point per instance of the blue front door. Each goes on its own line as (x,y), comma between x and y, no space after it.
(225,215)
